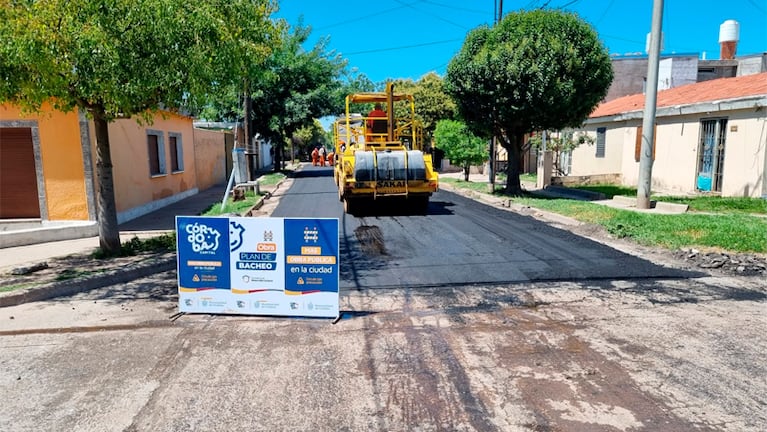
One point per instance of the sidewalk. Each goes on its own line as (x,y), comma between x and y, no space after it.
(149,225)
(71,255)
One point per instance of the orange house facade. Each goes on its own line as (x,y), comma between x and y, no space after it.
(154,164)
(48,160)
(46,170)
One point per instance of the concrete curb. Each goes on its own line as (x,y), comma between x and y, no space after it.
(166,262)
(671,207)
(264,197)
(258,204)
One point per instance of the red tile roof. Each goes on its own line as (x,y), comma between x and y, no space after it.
(706,91)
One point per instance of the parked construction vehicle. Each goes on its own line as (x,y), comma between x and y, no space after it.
(382,158)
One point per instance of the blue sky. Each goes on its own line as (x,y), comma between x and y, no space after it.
(408,38)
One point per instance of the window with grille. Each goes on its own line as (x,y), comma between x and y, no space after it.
(176,152)
(156,153)
(601,136)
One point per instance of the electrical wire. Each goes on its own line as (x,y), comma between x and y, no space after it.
(462,27)
(377,50)
(572,2)
(477,11)
(604,14)
(364,17)
(530,5)
(756,5)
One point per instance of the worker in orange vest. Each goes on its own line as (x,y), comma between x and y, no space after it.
(373,125)
(315,155)
(330,157)
(322,156)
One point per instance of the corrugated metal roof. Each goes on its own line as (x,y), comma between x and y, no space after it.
(707,91)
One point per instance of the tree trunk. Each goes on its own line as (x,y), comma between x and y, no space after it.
(466,169)
(513,145)
(109,233)
(277,162)
(278,154)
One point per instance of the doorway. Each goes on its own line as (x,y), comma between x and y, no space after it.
(711,155)
(18,175)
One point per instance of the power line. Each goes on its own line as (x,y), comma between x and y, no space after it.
(604,14)
(364,17)
(530,4)
(756,5)
(401,47)
(481,12)
(569,4)
(433,15)
(443,66)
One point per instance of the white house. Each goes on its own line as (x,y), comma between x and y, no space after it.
(710,137)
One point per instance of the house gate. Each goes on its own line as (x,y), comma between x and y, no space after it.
(711,155)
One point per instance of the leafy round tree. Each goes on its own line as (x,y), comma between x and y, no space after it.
(535,70)
(432,104)
(296,87)
(122,58)
(462,147)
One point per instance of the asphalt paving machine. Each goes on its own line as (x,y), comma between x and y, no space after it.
(382,158)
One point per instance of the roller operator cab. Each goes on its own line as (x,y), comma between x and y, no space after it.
(380,156)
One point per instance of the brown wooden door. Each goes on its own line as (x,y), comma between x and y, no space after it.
(18,177)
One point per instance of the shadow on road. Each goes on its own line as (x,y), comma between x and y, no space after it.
(312,171)
(400,207)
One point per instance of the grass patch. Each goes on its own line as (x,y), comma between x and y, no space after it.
(271,178)
(717,204)
(134,246)
(730,229)
(475,186)
(163,243)
(527,177)
(68,274)
(709,204)
(14,287)
(236,207)
(240,207)
(732,232)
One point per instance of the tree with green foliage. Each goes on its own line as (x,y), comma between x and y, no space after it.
(350,82)
(534,70)
(460,145)
(126,58)
(308,137)
(296,87)
(432,103)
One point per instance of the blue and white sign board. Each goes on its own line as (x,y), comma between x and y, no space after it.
(258,266)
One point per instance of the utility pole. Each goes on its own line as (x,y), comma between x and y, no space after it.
(498,12)
(648,121)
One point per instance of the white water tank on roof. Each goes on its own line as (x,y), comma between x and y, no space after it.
(729,31)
